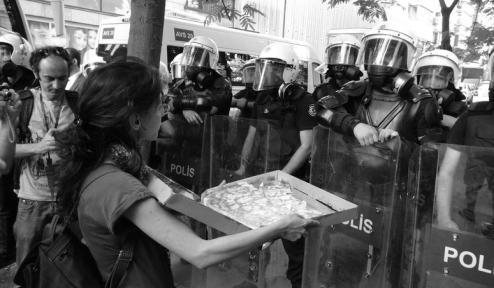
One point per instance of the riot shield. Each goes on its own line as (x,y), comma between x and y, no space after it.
(179,151)
(228,145)
(363,252)
(237,148)
(449,240)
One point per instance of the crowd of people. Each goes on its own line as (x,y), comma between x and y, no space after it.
(77,136)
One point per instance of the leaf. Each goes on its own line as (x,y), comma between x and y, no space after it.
(334,3)
(251,11)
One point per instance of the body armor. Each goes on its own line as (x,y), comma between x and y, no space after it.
(184,95)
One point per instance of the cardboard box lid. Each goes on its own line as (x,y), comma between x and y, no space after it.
(182,200)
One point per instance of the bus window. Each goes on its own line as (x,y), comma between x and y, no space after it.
(471,73)
(317,77)
(236,61)
(171,52)
(303,76)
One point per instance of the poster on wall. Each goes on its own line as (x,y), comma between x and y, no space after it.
(84,41)
(81,39)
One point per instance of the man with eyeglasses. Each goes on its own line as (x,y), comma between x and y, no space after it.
(45,110)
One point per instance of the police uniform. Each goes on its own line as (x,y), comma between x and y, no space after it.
(288,117)
(476,128)
(185,96)
(410,114)
(250,95)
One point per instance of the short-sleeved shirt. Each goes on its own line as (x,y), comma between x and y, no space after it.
(287,119)
(33,180)
(109,193)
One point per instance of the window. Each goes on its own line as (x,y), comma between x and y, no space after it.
(116,6)
(317,77)
(435,37)
(303,76)
(235,62)
(40,31)
(412,12)
(171,52)
(88,4)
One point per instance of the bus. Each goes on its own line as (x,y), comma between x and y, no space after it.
(235,46)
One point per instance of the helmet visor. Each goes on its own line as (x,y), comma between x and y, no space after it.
(248,74)
(268,74)
(195,56)
(177,70)
(386,51)
(434,77)
(343,54)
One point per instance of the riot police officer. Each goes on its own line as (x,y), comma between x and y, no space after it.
(438,71)
(14,61)
(285,105)
(245,99)
(177,70)
(341,55)
(387,103)
(200,93)
(473,128)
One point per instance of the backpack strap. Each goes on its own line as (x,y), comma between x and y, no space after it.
(27,98)
(120,267)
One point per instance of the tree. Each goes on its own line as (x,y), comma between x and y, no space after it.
(370,10)
(481,36)
(146,30)
(222,10)
(446,14)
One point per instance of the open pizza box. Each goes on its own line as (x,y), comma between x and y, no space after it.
(334,210)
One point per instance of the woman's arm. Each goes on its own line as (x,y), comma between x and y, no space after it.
(445,189)
(302,154)
(171,233)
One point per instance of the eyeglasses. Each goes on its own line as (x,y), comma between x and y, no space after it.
(58,51)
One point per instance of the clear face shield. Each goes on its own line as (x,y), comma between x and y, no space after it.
(386,51)
(248,74)
(195,57)
(177,71)
(341,54)
(268,74)
(434,77)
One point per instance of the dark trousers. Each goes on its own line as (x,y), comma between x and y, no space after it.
(8,211)
(295,252)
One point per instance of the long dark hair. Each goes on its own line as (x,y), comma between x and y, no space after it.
(109,96)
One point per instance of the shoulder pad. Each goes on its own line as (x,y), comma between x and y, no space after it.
(418,94)
(354,88)
(483,106)
(25,94)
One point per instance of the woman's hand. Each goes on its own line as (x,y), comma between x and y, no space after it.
(295,226)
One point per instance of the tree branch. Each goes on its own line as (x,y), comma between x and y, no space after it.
(450,8)
(442,4)
(226,10)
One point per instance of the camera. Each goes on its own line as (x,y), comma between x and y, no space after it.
(4,91)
